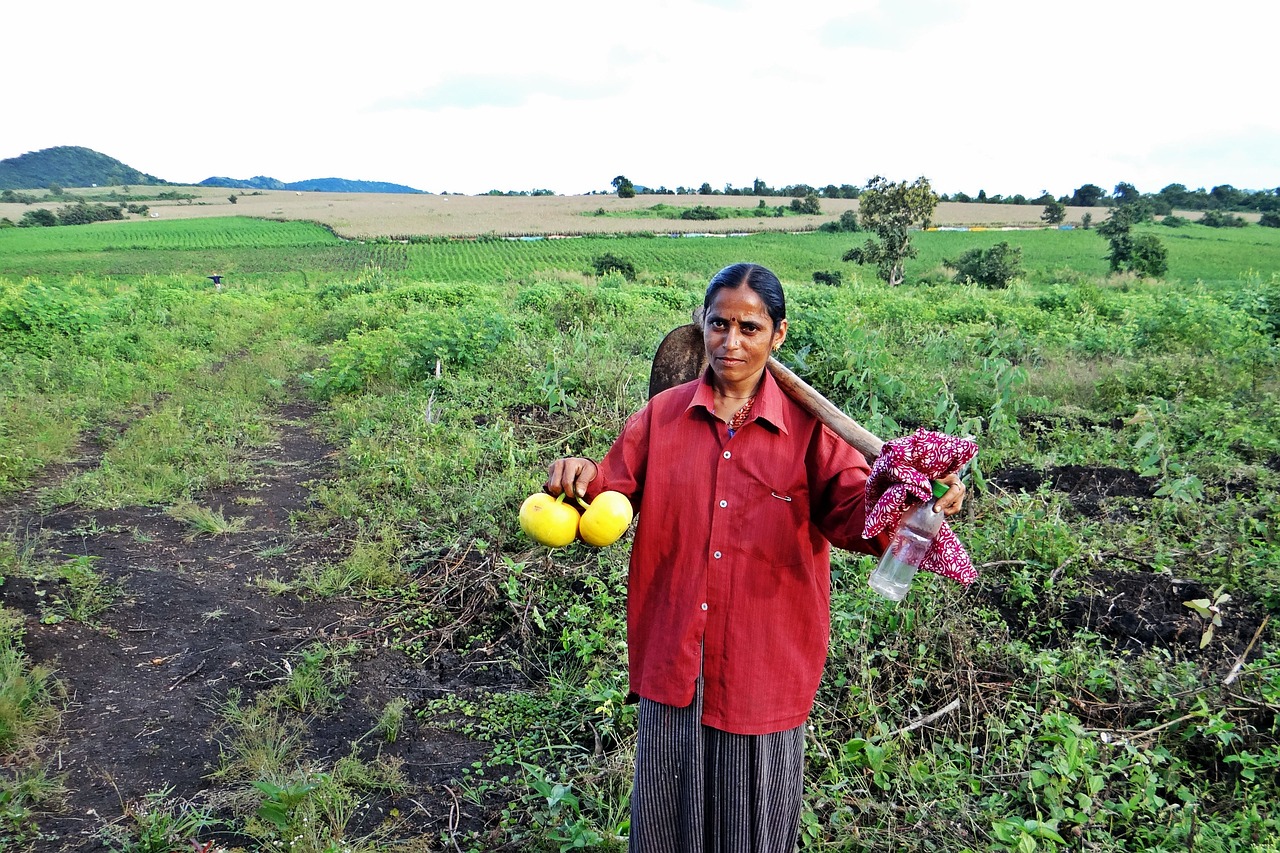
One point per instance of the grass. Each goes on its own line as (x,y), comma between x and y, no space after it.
(30,697)
(206,521)
(1056,735)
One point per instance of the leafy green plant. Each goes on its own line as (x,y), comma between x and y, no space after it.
(1210,610)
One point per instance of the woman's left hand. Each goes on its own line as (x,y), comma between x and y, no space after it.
(953,501)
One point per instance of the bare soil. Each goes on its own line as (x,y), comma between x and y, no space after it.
(145,683)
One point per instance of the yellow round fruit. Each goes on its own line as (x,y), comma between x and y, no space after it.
(549,520)
(605,519)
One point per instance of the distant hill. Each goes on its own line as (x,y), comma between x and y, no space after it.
(69,166)
(73,166)
(314,185)
(261,182)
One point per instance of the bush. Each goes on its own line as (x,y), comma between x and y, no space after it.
(809,205)
(994,267)
(847,222)
(1149,256)
(1218,219)
(831,277)
(1175,221)
(608,263)
(1270,219)
(41,217)
(701,211)
(83,214)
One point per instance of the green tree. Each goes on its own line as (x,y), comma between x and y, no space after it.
(625,188)
(1089,195)
(889,210)
(1126,193)
(232,198)
(1054,212)
(1143,254)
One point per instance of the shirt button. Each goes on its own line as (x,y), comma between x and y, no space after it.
(727,454)
(724,504)
(716,555)
(704,605)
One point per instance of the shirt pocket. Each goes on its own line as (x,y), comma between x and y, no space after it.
(775,529)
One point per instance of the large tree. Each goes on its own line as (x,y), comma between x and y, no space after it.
(1089,195)
(889,210)
(625,188)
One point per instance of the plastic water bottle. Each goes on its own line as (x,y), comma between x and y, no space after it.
(916,530)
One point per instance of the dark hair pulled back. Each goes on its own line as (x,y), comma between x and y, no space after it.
(758,278)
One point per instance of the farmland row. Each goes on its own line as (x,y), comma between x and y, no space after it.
(242,246)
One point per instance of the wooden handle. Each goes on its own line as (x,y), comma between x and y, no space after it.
(825,410)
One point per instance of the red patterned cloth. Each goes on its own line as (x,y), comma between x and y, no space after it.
(900,477)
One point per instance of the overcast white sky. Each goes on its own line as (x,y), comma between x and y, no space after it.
(1010,96)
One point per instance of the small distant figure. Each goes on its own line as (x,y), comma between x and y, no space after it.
(217,281)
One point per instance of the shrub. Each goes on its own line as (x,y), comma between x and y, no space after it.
(1218,219)
(701,211)
(809,205)
(994,267)
(1270,219)
(41,217)
(608,263)
(83,214)
(1150,257)
(831,277)
(847,222)
(1175,221)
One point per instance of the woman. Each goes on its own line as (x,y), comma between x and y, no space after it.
(739,492)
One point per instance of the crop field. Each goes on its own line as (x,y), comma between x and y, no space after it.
(374,215)
(263,586)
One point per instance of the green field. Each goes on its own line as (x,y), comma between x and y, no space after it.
(1129,435)
(251,246)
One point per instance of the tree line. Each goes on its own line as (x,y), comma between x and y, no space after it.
(1170,198)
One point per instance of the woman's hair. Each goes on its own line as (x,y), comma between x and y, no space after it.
(758,278)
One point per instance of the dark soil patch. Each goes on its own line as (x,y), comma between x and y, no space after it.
(1090,489)
(192,623)
(1138,610)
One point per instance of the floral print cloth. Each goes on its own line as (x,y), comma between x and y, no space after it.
(901,477)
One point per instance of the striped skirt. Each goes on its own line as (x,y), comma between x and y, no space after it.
(701,790)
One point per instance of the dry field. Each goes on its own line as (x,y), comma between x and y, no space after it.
(386,214)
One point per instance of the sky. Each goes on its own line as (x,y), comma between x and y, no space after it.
(1006,96)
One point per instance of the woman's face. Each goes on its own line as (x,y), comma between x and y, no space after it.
(739,334)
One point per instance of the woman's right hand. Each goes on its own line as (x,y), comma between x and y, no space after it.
(570,476)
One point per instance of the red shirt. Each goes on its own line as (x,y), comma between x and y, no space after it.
(730,569)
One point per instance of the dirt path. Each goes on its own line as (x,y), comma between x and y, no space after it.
(191,624)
